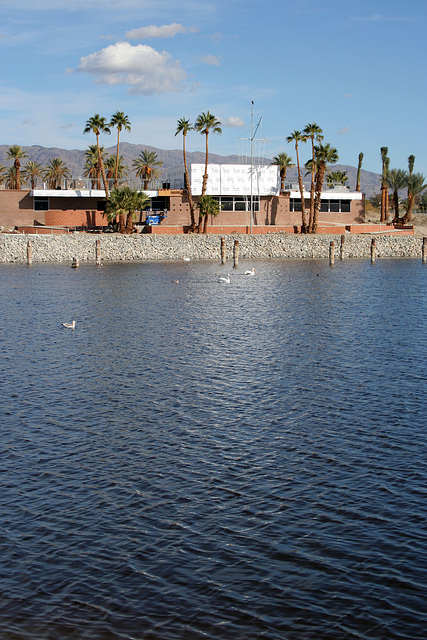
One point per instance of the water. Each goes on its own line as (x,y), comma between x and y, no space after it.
(207,461)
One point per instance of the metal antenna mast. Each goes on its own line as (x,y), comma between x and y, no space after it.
(252,139)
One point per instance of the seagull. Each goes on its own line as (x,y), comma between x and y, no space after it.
(69,325)
(250,272)
(227,280)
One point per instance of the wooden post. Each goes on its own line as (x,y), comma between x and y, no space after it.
(236,253)
(342,248)
(373,250)
(424,250)
(332,253)
(223,253)
(98,251)
(29,252)
(75,263)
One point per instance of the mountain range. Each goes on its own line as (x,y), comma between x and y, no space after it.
(172,160)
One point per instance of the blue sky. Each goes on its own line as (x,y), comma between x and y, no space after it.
(357,69)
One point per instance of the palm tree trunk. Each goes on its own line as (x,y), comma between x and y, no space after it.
(117,158)
(301,190)
(121,222)
(101,164)
(129,222)
(408,215)
(188,187)
(17,178)
(205,224)
(312,192)
(318,196)
(205,176)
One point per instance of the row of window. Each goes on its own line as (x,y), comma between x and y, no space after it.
(326,206)
(238,203)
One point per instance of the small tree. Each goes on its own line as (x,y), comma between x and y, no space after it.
(208,206)
(16,153)
(147,166)
(284,162)
(31,171)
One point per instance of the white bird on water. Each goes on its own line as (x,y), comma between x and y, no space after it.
(227,280)
(250,272)
(69,325)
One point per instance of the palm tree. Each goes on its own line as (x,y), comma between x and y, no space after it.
(312,131)
(9,177)
(31,171)
(397,179)
(2,173)
(204,124)
(416,186)
(125,201)
(55,172)
(284,162)
(92,168)
(145,166)
(16,153)
(120,121)
(117,170)
(184,126)
(208,206)
(359,171)
(97,124)
(324,155)
(384,188)
(297,136)
(336,177)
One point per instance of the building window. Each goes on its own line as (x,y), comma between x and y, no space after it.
(295,204)
(41,203)
(237,203)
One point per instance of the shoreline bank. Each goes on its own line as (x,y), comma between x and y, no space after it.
(116,248)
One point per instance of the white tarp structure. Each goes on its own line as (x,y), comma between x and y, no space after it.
(236,180)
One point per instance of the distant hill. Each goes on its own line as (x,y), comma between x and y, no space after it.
(172,159)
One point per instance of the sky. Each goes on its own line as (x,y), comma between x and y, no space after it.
(356,68)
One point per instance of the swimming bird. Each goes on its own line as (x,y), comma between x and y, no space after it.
(69,325)
(250,272)
(227,280)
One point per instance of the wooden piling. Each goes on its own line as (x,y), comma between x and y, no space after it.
(332,253)
(98,251)
(373,250)
(75,263)
(223,251)
(236,254)
(424,250)
(342,247)
(29,253)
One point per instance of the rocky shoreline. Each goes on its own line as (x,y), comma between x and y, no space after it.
(114,248)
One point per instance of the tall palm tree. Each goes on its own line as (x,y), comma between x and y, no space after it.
(120,121)
(384,188)
(184,126)
(296,137)
(208,206)
(313,132)
(284,162)
(411,162)
(416,186)
(97,124)
(397,179)
(359,171)
(145,166)
(31,171)
(55,172)
(324,155)
(205,123)
(16,154)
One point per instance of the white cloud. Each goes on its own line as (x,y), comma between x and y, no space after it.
(141,67)
(343,131)
(376,17)
(232,121)
(165,31)
(212,60)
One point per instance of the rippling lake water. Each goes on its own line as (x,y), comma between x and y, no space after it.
(208,461)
